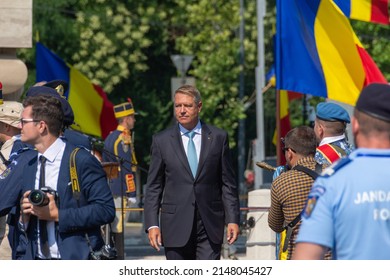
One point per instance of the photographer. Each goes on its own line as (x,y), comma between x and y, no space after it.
(62,227)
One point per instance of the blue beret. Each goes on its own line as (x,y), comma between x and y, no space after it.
(66,108)
(374,100)
(332,112)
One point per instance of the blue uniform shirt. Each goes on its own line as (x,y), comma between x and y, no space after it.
(348,208)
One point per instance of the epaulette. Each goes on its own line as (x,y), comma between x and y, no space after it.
(329,171)
(20,151)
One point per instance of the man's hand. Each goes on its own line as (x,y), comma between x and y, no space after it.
(25,208)
(131,201)
(48,212)
(232,233)
(154,235)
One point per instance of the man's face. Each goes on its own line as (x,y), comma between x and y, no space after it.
(30,128)
(318,130)
(186,110)
(129,122)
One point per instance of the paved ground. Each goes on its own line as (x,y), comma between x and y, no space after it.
(137,246)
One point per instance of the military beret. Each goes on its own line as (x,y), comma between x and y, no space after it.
(332,112)
(66,108)
(60,86)
(374,100)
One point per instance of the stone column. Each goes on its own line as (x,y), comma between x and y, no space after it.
(16,32)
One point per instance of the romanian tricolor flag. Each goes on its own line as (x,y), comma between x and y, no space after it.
(366,10)
(93,112)
(318,53)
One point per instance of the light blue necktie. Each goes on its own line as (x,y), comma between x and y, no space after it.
(191,153)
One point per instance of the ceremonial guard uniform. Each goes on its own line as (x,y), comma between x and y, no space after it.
(330,125)
(118,147)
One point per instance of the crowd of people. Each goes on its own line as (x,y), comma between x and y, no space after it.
(343,213)
(330,201)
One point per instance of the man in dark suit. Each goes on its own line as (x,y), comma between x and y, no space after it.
(66,227)
(192,179)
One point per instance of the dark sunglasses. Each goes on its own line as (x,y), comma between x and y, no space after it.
(284,149)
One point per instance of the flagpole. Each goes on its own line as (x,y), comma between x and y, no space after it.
(259,146)
(241,124)
(278,130)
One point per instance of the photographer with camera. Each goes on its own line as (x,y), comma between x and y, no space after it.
(55,223)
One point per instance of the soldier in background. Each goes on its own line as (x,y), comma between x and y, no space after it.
(10,112)
(348,206)
(330,126)
(118,147)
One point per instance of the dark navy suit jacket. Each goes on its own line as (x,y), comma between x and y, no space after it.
(96,208)
(172,187)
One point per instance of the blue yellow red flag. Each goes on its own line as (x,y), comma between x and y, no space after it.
(376,11)
(318,53)
(94,113)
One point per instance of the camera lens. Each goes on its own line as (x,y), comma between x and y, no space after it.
(38,198)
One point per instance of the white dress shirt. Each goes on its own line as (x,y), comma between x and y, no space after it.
(197,138)
(53,157)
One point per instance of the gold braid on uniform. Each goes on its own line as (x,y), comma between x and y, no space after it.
(125,138)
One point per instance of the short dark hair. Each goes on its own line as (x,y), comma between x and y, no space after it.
(371,126)
(47,109)
(333,128)
(302,140)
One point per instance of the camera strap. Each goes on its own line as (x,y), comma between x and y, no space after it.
(76,189)
(73,176)
(76,186)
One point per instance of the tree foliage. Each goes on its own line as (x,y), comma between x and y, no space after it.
(125,47)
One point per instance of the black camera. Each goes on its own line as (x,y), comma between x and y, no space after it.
(107,252)
(39,197)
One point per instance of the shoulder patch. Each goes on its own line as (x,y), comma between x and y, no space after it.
(6,172)
(316,192)
(329,171)
(310,204)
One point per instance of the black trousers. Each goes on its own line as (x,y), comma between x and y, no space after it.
(198,247)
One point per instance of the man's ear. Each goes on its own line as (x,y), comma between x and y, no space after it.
(354,126)
(7,127)
(289,155)
(321,130)
(199,106)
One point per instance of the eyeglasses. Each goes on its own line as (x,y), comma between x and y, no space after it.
(285,149)
(24,121)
